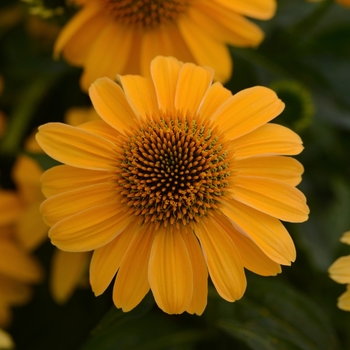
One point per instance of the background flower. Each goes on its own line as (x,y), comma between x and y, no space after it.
(109,37)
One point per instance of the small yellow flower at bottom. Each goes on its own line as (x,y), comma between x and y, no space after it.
(6,342)
(339,271)
(177,179)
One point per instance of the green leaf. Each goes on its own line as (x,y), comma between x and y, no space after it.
(143,328)
(272,315)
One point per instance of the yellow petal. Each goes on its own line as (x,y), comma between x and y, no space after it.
(345,238)
(30,228)
(344,300)
(66,204)
(192,85)
(76,147)
(65,178)
(223,260)
(247,110)
(111,104)
(170,272)
(267,232)
(214,98)
(200,274)
(131,283)
(252,256)
(106,260)
(99,127)
(105,59)
(268,140)
(10,207)
(140,94)
(251,8)
(272,197)
(66,273)
(89,229)
(165,74)
(16,263)
(285,169)
(225,25)
(13,292)
(340,270)
(26,174)
(206,50)
(81,23)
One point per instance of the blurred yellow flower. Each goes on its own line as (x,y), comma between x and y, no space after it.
(107,37)
(6,341)
(340,272)
(177,179)
(17,268)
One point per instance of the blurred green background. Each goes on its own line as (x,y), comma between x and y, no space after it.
(305,58)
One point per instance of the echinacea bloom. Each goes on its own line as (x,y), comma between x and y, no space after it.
(178,178)
(107,37)
(18,269)
(339,271)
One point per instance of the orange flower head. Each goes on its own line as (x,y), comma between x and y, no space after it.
(177,179)
(107,37)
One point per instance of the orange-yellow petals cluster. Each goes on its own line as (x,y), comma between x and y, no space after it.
(339,271)
(177,179)
(107,37)
(17,268)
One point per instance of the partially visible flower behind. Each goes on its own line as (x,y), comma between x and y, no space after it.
(6,341)
(339,271)
(113,36)
(17,268)
(179,178)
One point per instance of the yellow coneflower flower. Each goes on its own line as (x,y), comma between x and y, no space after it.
(340,272)
(177,179)
(123,36)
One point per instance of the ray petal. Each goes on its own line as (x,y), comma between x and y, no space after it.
(267,232)
(111,104)
(165,74)
(76,147)
(131,284)
(200,274)
(252,256)
(170,272)
(63,178)
(140,94)
(272,197)
(106,260)
(90,229)
(66,204)
(223,260)
(268,140)
(285,169)
(248,110)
